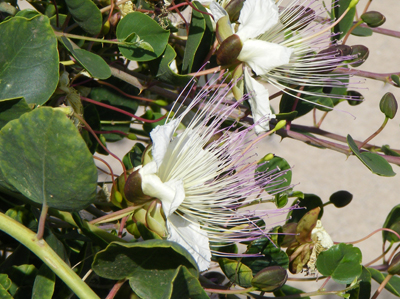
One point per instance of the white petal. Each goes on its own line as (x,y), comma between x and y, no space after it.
(217,11)
(256,17)
(190,236)
(263,56)
(161,137)
(171,193)
(259,102)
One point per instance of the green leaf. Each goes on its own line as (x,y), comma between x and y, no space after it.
(4,294)
(44,157)
(151,265)
(363,291)
(396,79)
(391,219)
(148,30)
(392,286)
(362,31)
(273,255)
(43,287)
(29,63)
(376,163)
(309,202)
(345,24)
(27,13)
(199,40)
(236,272)
(276,165)
(186,285)
(5,282)
(93,63)
(388,151)
(161,70)
(11,109)
(342,262)
(21,276)
(133,158)
(86,14)
(287,290)
(93,119)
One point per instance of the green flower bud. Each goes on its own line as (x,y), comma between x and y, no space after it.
(233,9)
(268,157)
(161,103)
(131,136)
(388,105)
(155,219)
(394,267)
(373,18)
(280,125)
(341,198)
(147,155)
(229,50)
(117,193)
(132,228)
(224,29)
(362,53)
(270,279)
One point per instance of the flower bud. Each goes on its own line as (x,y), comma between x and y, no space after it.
(388,105)
(133,189)
(270,279)
(361,52)
(330,54)
(373,18)
(233,9)
(117,193)
(224,29)
(341,198)
(229,50)
(155,219)
(394,267)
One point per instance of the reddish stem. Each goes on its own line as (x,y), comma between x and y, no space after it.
(109,168)
(122,111)
(82,120)
(124,93)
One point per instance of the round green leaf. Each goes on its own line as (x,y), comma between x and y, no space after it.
(86,14)
(93,63)
(28,59)
(43,286)
(276,165)
(342,262)
(362,31)
(376,163)
(151,265)
(44,157)
(147,30)
(270,279)
(236,272)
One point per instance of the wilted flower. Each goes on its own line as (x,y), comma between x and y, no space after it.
(202,176)
(284,46)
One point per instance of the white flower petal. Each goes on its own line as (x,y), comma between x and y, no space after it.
(263,56)
(256,17)
(259,102)
(190,236)
(217,11)
(171,193)
(161,137)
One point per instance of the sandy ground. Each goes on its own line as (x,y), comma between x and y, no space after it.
(323,172)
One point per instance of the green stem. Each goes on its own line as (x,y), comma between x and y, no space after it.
(241,291)
(87,38)
(47,255)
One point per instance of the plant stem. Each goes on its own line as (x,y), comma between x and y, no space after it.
(374,134)
(42,220)
(384,77)
(115,289)
(382,286)
(43,251)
